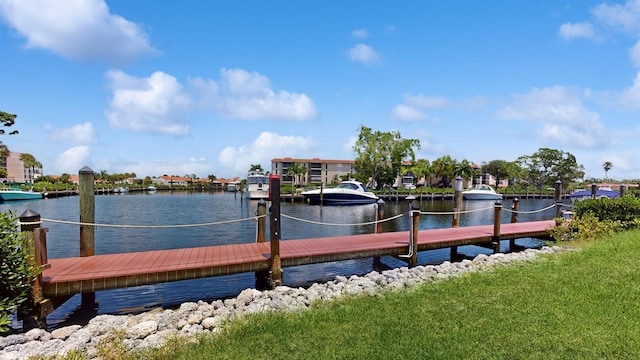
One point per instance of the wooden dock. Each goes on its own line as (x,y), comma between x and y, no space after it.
(68,276)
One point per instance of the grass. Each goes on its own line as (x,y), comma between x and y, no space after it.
(578,305)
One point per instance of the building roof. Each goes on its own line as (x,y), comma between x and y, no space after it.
(314,160)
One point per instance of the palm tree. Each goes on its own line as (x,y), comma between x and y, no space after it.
(608,165)
(464,169)
(31,164)
(255,167)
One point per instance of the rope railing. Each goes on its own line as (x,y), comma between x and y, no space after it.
(531,211)
(65,222)
(146,226)
(342,224)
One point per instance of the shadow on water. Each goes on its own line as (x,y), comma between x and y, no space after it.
(207,209)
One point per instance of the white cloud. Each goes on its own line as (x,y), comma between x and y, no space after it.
(360,33)
(76,29)
(83,134)
(562,117)
(624,17)
(267,146)
(630,97)
(153,104)
(413,107)
(73,159)
(248,95)
(634,53)
(579,30)
(407,113)
(348,146)
(426,102)
(364,54)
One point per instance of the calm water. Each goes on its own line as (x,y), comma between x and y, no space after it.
(181,208)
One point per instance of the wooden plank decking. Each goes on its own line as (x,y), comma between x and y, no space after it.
(68,276)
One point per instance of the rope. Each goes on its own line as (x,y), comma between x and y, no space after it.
(151,226)
(533,211)
(333,224)
(453,212)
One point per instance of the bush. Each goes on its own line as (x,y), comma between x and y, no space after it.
(16,269)
(625,210)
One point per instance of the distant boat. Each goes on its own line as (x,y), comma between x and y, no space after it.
(481,192)
(152,188)
(601,192)
(346,193)
(232,187)
(16,193)
(120,190)
(257,185)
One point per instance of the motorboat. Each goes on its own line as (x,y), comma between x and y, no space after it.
(257,185)
(120,190)
(16,193)
(232,187)
(152,188)
(602,192)
(348,192)
(481,192)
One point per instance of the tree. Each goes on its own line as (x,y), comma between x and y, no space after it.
(255,167)
(422,169)
(445,168)
(546,166)
(608,165)
(501,169)
(379,155)
(464,169)
(31,164)
(295,170)
(7,120)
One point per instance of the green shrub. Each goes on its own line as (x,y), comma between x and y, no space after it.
(16,269)
(625,210)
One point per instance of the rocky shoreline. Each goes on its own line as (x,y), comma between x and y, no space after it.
(153,328)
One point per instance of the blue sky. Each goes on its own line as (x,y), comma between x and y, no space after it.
(211,87)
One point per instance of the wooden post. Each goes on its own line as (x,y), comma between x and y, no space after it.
(594,191)
(413,261)
(262,221)
(515,207)
(379,216)
(274,225)
(623,190)
(37,243)
(87,212)
(457,201)
(558,198)
(87,227)
(497,213)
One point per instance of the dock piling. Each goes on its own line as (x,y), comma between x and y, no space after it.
(274,225)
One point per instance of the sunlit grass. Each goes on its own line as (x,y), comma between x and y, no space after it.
(578,305)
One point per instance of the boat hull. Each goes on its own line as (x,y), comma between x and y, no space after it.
(473,196)
(329,198)
(258,194)
(15,195)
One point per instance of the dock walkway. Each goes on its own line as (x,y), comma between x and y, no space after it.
(68,276)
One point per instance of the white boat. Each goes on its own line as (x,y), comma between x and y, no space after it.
(152,188)
(481,192)
(16,193)
(346,193)
(232,187)
(257,185)
(120,190)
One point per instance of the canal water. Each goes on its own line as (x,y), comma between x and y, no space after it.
(203,219)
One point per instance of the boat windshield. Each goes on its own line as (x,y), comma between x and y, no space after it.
(351,186)
(258,180)
(483,187)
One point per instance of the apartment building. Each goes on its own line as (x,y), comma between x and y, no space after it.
(16,172)
(318,171)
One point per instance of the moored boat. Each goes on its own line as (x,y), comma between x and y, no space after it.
(481,192)
(257,185)
(16,193)
(346,193)
(603,192)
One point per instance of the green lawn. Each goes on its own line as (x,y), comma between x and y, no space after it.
(576,305)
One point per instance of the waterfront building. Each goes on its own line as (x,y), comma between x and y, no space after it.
(16,172)
(315,171)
